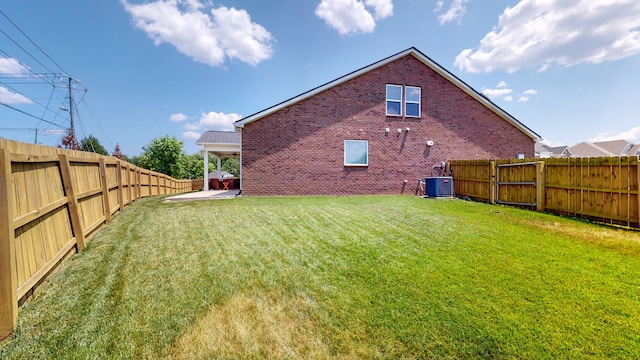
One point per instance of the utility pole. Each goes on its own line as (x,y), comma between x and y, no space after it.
(72,128)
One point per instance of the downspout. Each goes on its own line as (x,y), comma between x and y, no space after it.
(206,168)
(240,161)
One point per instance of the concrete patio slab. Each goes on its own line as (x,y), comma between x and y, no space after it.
(204,195)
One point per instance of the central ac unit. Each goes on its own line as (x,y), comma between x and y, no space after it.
(439,186)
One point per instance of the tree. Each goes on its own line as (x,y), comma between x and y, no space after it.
(92,144)
(164,155)
(231,165)
(69,141)
(117,153)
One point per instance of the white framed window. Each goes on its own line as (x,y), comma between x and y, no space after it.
(412,101)
(394,100)
(356,153)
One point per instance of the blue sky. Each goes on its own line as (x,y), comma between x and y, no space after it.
(568,69)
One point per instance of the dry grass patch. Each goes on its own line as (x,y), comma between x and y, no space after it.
(260,326)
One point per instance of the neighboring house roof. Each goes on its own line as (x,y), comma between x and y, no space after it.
(219,137)
(545,151)
(635,150)
(418,55)
(587,149)
(618,147)
(604,148)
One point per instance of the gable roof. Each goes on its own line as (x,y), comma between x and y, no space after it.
(588,149)
(618,147)
(219,137)
(604,148)
(543,150)
(422,58)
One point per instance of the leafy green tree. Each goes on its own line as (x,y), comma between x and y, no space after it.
(140,161)
(194,165)
(92,144)
(231,165)
(164,155)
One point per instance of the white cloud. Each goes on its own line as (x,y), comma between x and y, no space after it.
(179,117)
(214,121)
(209,39)
(191,135)
(455,12)
(497,93)
(381,8)
(526,95)
(11,66)
(9,97)
(353,16)
(551,143)
(241,39)
(539,33)
(632,135)
(192,126)
(503,92)
(218,121)
(439,5)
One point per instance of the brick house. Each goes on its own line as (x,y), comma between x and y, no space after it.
(376,130)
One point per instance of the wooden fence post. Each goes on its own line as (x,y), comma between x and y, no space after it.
(8,276)
(492,182)
(74,215)
(138,183)
(105,190)
(120,185)
(541,186)
(130,186)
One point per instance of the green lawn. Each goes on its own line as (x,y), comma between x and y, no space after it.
(347,277)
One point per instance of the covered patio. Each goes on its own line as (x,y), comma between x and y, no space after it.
(223,144)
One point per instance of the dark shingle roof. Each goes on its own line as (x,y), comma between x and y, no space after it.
(220,137)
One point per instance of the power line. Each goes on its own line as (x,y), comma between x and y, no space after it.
(33,116)
(34,44)
(23,49)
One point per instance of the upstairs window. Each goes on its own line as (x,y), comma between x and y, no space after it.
(403,100)
(394,100)
(412,101)
(356,153)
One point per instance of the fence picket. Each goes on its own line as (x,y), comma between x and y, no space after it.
(51,200)
(600,189)
(8,276)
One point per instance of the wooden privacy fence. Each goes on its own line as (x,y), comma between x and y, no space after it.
(599,189)
(51,201)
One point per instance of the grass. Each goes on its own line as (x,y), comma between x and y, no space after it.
(348,277)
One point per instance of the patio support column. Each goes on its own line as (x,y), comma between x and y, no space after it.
(219,165)
(206,169)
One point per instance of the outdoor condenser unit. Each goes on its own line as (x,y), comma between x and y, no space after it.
(439,186)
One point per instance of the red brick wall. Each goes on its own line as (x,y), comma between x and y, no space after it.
(299,150)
